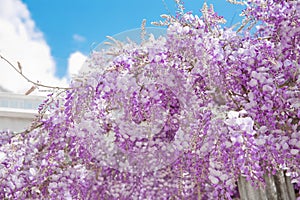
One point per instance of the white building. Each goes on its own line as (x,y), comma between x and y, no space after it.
(17,111)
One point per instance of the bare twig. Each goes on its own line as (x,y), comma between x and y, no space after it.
(244,23)
(19,70)
(30,90)
(143,31)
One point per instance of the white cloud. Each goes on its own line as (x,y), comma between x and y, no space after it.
(21,41)
(78,38)
(75,63)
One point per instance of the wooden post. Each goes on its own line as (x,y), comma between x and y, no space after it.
(278,187)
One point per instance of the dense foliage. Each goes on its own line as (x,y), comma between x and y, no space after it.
(175,117)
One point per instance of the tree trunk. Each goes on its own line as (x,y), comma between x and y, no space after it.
(278,187)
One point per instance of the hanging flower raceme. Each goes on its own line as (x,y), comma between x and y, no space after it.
(181,116)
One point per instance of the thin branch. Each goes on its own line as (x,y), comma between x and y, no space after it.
(143,31)
(35,83)
(244,23)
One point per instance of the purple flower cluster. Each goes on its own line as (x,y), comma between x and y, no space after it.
(176,117)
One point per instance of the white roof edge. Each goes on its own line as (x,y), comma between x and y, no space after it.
(23,96)
(20,113)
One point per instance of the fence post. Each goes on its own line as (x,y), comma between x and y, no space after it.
(278,187)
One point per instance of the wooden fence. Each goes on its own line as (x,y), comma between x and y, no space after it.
(278,187)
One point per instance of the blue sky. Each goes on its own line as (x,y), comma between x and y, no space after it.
(78,25)
(52,38)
